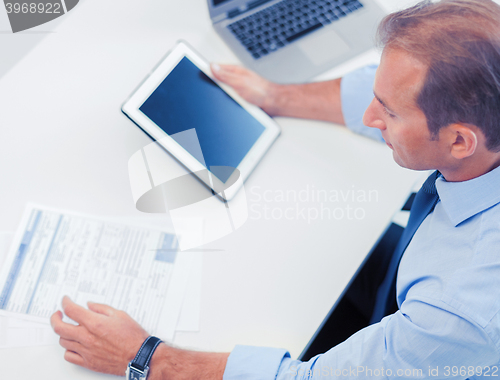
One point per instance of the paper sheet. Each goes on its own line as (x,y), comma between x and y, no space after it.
(16,332)
(189,319)
(56,253)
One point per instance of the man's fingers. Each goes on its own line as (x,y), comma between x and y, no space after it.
(101,308)
(74,358)
(217,70)
(76,312)
(228,73)
(63,329)
(70,345)
(227,69)
(219,73)
(56,316)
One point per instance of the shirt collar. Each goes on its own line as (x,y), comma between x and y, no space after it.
(462,200)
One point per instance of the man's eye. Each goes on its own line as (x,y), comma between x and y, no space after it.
(388,113)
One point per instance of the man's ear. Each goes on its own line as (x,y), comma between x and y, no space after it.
(463,140)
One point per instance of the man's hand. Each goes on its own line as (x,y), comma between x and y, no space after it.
(317,101)
(105,340)
(250,86)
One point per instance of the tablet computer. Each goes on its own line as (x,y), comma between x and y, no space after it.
(205,125)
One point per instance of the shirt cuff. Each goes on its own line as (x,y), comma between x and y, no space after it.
(356,93)
(254,363)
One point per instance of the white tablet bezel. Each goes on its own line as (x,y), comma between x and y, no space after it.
(151,83)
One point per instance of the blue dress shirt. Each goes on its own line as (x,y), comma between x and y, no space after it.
(448,291)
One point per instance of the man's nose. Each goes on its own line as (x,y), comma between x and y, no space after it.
(372,118)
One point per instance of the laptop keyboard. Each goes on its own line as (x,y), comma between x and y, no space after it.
(282,23)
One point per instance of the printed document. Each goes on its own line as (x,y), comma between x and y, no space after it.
(135,269)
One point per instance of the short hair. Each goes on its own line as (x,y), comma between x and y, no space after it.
(459,42)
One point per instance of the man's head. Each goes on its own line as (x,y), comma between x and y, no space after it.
(440,70)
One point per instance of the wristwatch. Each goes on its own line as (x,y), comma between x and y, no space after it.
(138,368)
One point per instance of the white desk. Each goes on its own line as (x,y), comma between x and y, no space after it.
(64,143)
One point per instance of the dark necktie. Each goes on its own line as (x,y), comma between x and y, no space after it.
(424,203)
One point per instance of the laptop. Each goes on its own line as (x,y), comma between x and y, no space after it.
(289,41)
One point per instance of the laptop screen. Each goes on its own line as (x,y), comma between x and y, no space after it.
(217,2)
(218,8)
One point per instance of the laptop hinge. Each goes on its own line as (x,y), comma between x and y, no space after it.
(235,12)
(252,4)
(256,3)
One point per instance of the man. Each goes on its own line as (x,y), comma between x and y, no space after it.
(437,105)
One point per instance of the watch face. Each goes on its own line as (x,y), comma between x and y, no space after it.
(133,374)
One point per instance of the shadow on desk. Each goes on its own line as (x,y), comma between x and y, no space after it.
(353,311)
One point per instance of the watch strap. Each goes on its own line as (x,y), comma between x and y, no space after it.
(141,360)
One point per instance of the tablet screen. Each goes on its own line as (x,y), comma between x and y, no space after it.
(187,99)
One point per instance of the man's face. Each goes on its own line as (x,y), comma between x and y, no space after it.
(395,112)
